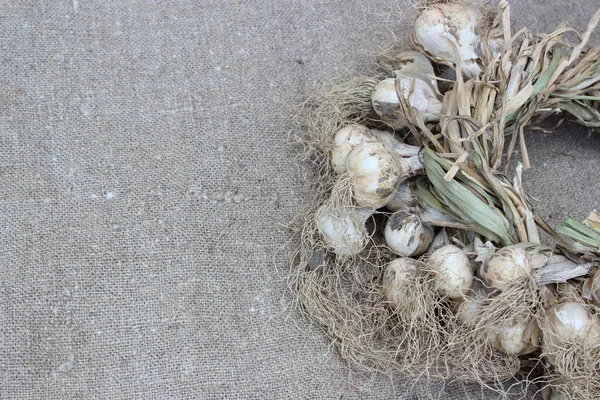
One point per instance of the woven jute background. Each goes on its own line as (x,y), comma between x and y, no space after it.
(146,182)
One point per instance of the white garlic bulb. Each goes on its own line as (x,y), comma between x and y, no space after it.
(375,172)
(406,235)
(410,160)
(416,92)
(344,141)
(568,322)
(507,265)
(512,338)
(344,231)
(398,276)
(453,272)
(447,31)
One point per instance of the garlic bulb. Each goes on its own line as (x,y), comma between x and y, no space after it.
(375,172)
(566,323)
(416,92)
(410,160)
(453,273)
(513,338)
(507,265)
(403,198)
(398,276)
(468,307)
(344,231)
(344,141)
(406,235)
(570,321)
(447,31)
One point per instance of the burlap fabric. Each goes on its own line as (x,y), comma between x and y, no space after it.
(146,183)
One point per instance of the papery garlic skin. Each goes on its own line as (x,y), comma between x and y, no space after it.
(403,198)
(441,27)
(406,235)
(453,273)
(416,92)
(375,172)
(343,231)
(344,141)
(508,265)
(398,276)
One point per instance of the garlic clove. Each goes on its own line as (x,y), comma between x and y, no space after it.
(406,235)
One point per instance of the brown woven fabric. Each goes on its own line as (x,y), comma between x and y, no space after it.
(145,184)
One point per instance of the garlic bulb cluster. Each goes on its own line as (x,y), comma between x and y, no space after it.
(344,231)
(406,235)
(344,141)
(398,276)
(375,172)
(453,272)
(448,32)
(506,266)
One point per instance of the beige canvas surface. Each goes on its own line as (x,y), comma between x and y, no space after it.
(146,182)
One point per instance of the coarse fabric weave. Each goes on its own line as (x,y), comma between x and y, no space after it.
(146,184)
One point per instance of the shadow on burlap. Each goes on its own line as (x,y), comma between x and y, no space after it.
(146,181)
